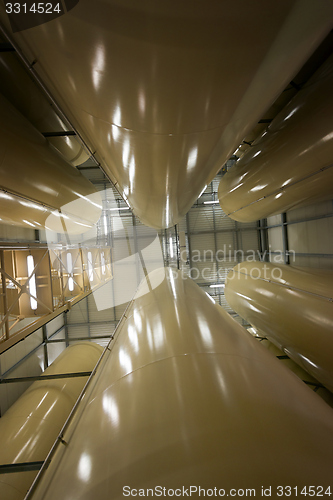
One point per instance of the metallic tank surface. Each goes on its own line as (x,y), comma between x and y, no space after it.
(38,188)
(291,164)
(293,307)
(21,91)
(163,93)
(186,397)
(31,425)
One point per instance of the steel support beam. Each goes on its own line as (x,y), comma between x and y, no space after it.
(6,47)
(245,229)
(22,467)
(81,339)
(66,328)
(46,357)
(299,221)
(177,247)
(136,249)
(189,241)
(62,133)
(284,226)
(44,377)
(4,295)
(215,253)
(264,248)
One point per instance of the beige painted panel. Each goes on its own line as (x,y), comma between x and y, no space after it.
(275,239)
(248,241)
(155,90)
(291,165)
(323,208)
(17,233)
(316,262)
(29,428)
(274,219)
(312,237)
(201,219)
(292,306)
(225,245)
(187,397)
(203,243)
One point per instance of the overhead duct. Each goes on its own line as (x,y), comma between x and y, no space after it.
(21,91)
(31,425)
(157,90)
(290,165)
(293,307)
(38,188)
(187,398)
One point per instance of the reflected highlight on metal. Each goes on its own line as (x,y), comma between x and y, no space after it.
(293,307)
(199,402)
(156,90)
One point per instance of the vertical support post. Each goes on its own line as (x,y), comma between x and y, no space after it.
(264,248)
(4,293)
(160,235)
(167,261)
(259,236)
(188,230)
(170,244)
(66,329)
(84,287)
(284,225)
(51,280)
(88,319)
(183,254)
(112,245)
(46,357)
(61,278)
(238,246)
(139,253)
(108,221)
(177,247)
(215,253)
(136,249)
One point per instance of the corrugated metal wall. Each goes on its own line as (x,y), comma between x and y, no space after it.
(309,236)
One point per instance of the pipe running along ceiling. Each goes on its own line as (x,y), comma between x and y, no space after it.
(165,93)
(290,165)
(38,188)
(292,306)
